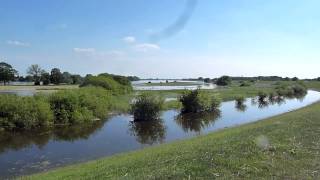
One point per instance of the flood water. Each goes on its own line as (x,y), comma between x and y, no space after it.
(143,85)
(25,153)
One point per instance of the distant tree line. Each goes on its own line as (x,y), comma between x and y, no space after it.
(39,76)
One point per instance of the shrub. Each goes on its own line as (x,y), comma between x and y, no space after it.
(146,107)
(85,104)
(24,112)
(223,81)
(244,84)
(198,101)
(107,83)
(240,99)
(262,96)
(65,105)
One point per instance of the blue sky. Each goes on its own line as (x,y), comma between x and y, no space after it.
(230,37)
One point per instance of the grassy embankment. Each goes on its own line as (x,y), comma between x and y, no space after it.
(283,147)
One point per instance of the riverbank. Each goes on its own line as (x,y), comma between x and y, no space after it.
(284,146)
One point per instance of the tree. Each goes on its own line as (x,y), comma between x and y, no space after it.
(45,78)
(76,79)
(318,78)
(56,76)
(66,78)
(224,81)
(35,71)
(207,80)
(295,79)
(7,73)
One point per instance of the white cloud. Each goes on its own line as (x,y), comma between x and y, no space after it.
(18,43)
(129,39)
(98,54)
(84,50)
(145,47)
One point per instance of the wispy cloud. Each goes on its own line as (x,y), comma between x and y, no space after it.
(18,43)
(145,47)
(84,50)
(94,53)
(129,39)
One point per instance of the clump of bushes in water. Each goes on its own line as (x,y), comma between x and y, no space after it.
(199,101)
(240,100)
(291,90)
(147,107)
(24,112)
(63,107)
(262,96)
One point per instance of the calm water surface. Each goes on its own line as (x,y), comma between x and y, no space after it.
(25,153)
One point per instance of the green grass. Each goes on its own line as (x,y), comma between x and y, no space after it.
(282,147)
(38,88)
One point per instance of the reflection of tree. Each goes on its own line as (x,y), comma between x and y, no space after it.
(241,107)
(40,137)
(148,132)
(262,103)
(195,122)
(277,100)
(75,132)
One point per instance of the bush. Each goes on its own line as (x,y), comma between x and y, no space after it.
(262,96)
(240,99)
(85,104)
(291,90)
(146,107)
(198,101)
(223,81)
(24,112)
(244,84)
(107,83)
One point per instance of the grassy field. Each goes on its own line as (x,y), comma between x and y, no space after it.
(37,88)
(282,147)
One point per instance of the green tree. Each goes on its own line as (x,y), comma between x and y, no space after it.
(207,80)
(66,78)
(56,76)
(35,71)
(7,73)
(224,81)
(76,79)
(45,78)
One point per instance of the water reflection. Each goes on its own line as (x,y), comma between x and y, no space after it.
(195,122)
(241,107)
(148,132)
(40,138)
